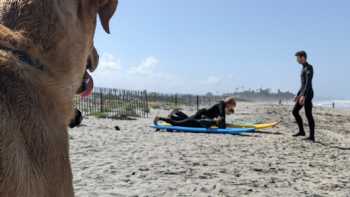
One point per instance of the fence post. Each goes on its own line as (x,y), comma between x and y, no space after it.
(119,102)
(146,106)
(101,102)
(124,102)
(197,102)
(176,100)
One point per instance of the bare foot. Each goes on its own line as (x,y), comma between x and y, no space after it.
(156,120)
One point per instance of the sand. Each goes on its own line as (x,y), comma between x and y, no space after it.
(137,161)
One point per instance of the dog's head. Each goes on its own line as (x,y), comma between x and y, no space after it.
(88,10)
(61,33)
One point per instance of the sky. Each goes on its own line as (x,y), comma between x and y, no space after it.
(200,46)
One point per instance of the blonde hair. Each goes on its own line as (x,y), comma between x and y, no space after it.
(230,100)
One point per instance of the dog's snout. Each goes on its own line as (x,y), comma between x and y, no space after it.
(92,61)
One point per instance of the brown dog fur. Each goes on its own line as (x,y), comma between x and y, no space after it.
(36,105)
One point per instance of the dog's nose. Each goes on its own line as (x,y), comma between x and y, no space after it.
(92,61)
(77,119)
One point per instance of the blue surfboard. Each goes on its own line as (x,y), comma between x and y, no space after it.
(231,131)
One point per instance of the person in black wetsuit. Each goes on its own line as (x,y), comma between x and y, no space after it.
(213,116)
(304,97)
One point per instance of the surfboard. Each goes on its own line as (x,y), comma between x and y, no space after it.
(231,131)
(256,126)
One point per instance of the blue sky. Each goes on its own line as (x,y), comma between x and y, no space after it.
(197,46)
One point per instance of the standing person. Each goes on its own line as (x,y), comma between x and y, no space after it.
(304,97)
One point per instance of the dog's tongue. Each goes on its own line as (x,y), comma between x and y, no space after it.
(89,84)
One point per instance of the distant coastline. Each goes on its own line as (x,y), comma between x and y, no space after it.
(339,104)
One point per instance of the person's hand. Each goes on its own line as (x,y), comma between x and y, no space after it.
(230,111)
(302,100)
(219,120)
(156,120)
(296,99)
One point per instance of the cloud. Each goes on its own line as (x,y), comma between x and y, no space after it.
(149,74)
(145,75)
(109,63)
(146,67)
(213,80)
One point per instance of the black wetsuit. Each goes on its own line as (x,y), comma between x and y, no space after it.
(307,91)
(203,118)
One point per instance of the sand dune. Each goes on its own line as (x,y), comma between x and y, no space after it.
(137,161)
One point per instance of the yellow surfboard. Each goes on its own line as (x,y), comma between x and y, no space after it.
(256,126)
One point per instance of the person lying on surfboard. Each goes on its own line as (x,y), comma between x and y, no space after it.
(206,118)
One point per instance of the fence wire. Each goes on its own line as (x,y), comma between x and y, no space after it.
(114,103)
(121,104)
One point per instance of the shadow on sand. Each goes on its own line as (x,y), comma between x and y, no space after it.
(238,134)
(332,146)
(268,132)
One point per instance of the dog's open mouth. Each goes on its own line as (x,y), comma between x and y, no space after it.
(87,86)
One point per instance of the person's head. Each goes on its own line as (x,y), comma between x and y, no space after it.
(301,57)
(230,105)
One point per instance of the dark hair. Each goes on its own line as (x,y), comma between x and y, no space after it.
(301,54)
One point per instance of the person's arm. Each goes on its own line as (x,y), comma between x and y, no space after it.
(222,115)
(297,97)
(305,91)
(298,94)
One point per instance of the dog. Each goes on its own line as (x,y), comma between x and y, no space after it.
(44,47)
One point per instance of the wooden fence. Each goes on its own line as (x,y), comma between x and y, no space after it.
(122,104)
(114,103)
(157,100)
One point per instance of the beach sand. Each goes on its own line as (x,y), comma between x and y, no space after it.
(137,161)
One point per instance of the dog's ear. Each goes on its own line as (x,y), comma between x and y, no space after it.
(106,11)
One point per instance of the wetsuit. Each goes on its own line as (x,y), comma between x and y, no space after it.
(307,91)
(203,118)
